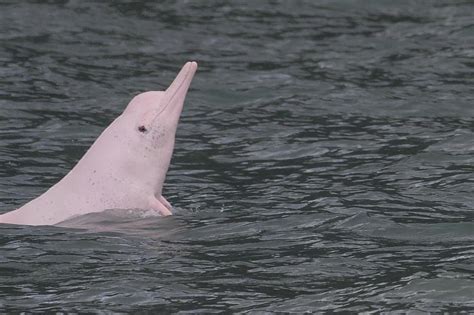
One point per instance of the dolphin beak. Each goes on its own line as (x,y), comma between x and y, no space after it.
(176,93)
(173,100)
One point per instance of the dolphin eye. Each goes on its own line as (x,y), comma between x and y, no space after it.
(142,129)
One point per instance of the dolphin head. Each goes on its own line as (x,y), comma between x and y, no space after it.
(159,110)
(151,121)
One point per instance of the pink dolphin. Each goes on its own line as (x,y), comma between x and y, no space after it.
(126,166)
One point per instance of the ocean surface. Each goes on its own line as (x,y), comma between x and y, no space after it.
(324,161)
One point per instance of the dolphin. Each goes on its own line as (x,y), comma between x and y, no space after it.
(125,168)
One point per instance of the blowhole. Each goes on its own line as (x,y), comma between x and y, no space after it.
(142,128)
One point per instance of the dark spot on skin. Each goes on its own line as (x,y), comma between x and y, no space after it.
(142,129)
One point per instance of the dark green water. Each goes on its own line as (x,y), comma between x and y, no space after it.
(324,160)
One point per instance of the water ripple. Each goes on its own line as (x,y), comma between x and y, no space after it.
(323,161)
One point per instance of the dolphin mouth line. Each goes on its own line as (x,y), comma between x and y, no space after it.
(170,100)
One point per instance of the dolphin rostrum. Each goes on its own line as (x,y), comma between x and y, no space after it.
(126,166)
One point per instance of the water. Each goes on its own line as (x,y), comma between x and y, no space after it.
(324,160)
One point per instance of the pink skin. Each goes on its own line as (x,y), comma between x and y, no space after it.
(126,166)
